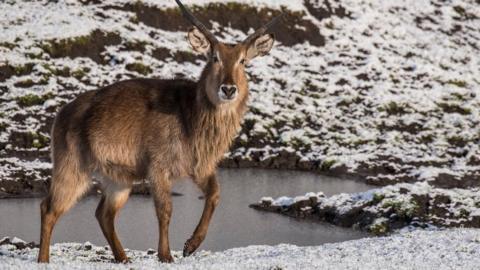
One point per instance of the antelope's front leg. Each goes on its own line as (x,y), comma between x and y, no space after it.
(211,190)
(161,189)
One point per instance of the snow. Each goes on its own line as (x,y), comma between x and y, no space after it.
(460,207)
(17,240)
(283,201)
(395,85)
(448,249)
(410,62)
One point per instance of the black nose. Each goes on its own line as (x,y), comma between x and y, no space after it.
(228,90)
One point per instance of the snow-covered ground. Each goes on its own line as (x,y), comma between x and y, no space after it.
(387,91)
(393,91)
(385,209)
(448,249)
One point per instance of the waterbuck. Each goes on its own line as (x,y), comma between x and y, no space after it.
(160,130)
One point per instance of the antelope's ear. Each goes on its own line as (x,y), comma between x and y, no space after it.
(199,42)
(260,46)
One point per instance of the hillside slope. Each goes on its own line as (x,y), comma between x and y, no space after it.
(386,92)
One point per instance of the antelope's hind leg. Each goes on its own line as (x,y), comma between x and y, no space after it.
(113,199)
(210,188)
(67,186)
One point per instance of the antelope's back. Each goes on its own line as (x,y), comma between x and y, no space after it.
(114,124)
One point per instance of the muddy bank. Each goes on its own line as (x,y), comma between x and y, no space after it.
(381,211)
(34,182)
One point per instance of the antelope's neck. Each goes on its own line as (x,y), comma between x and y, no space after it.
(214,131)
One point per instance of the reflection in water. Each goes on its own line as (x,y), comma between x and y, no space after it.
(234,224)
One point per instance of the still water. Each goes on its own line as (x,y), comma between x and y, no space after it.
(234,224)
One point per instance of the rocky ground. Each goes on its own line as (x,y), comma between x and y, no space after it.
(449,249)
(383,92)
(381,211)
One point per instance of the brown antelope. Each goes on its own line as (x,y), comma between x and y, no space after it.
(159,130)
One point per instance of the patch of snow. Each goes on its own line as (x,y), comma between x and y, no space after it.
(430,249)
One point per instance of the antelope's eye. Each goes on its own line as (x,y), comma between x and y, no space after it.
(215,58)
(242,61)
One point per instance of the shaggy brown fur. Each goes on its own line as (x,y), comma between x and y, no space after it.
(160,130)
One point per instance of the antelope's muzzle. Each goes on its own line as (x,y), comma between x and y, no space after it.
(227,92)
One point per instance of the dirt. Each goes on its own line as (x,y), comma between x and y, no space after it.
(238,16)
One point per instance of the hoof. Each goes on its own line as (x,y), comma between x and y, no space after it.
(43,260)
(190,246)
(165,258)
(124,260)
(121,258)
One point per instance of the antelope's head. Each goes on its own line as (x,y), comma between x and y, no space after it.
(224,76)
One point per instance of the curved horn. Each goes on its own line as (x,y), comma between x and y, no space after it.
(189,16)
(260,31)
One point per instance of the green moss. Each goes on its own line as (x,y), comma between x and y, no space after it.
(463,14)
(38,140)
(64,45)
(136,45)
(91,45)
(359,142)
(80,73)
(457,141)
(139,67)
(327,164)
(394,79)
(444,67)
(401,208)
(299,144)
(185,56)
(64,72)
(34,55)
(427,138)
(297,122)
(330,25)
(7,45)
(454,108)
(31,99)
(377,197)
(394,108)
(460,10)
(458,83)
(44,80)
(379,228)
(458,96)
(23,69)
(134,19)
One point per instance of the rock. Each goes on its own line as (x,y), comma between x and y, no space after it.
(307,165)
(285,160)
(87,246)
(5,241)
(350,217)
(19,243)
